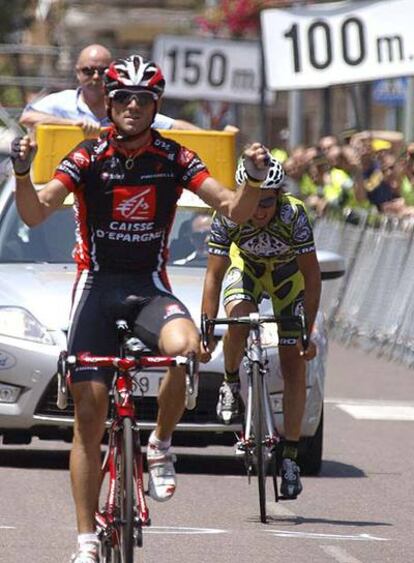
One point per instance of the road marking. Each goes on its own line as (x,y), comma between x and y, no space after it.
(182,530)
(379,412)
(339,554)
(315,536)
(7,528)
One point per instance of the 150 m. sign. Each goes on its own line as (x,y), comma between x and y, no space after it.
(209,69)
(320,45)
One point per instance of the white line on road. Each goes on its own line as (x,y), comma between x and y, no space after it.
(379,412)
(315,536)
(182,530)
(7,528)
(339,554)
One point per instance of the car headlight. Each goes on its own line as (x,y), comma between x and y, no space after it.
(269,335)
(19,323)
(9,393)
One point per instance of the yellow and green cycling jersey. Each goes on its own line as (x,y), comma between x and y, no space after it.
(263,260)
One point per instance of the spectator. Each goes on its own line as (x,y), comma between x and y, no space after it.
(85,106)
(377,179)
(407,171)
(198,235)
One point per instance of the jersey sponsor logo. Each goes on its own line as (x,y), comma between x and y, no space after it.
(173,309)
(112,170)
(185,156)
(302,231)
(287,214)
(264,245)
(139,207)
(232,277)
(81,159)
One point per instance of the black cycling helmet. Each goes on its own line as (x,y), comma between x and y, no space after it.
(275,176)
(134,72)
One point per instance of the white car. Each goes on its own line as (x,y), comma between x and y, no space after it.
(36,277)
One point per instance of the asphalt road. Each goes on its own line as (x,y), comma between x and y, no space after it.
(360,508)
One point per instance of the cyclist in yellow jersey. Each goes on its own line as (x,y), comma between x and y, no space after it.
(274,254)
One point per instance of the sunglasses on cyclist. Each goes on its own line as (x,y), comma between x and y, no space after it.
(90,70)
(267,202)
(125,97)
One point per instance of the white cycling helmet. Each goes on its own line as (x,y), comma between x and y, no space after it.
(274,179)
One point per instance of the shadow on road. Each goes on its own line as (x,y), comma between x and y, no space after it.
(34,458)
(299,520)
(197,464)
(193,463)
(338,469)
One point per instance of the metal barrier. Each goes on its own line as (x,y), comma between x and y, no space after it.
(372,306)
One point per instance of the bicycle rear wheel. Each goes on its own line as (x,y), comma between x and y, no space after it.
(127,492)
(260,457)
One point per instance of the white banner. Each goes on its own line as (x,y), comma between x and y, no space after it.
(209,69)
(320,45)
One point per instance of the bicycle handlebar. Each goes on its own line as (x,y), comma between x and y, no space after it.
(125,364)
(254,319)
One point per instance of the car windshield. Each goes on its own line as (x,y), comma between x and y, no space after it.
(53,241)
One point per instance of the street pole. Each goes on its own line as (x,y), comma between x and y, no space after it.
(295,109)
(409,111)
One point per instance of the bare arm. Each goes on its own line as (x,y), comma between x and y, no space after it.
(309,267)
(216,268)
(31,118)
(185,125)
(239,205)
(36,206)
(33,206)
(210,301)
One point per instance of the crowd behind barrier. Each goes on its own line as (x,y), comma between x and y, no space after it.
(369,170)
(372,305)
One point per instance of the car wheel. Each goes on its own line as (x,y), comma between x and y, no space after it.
(310,453)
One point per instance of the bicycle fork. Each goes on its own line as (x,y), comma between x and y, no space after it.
(247,439)
(108,520)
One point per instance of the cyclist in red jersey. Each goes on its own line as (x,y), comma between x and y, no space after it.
(126,185)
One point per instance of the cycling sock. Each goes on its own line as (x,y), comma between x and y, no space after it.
(290,449)
(87,539)
(159,444)
(231,377)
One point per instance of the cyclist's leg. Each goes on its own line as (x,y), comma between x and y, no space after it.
(287,300)
(241,293)
(165,323)
(90,395)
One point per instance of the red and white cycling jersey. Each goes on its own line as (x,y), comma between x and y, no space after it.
(125,202)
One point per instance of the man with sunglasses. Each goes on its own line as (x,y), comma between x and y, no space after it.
(126,185)
(273,254)
(85,105)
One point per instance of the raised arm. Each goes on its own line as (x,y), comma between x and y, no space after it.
(239,205)
(33,206)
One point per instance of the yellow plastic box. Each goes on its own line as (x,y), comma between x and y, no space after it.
(216,148)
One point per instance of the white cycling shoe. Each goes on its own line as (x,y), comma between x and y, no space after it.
(88,553)
(162,481)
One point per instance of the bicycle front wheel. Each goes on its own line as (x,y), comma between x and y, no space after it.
(127,492)
(260,457)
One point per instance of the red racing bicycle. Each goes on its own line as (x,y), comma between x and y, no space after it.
(120,522)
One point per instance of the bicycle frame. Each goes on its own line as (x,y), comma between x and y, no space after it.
(255,353)
(111,523)
(259,439)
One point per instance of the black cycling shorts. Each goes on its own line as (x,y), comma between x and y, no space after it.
(101,298)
